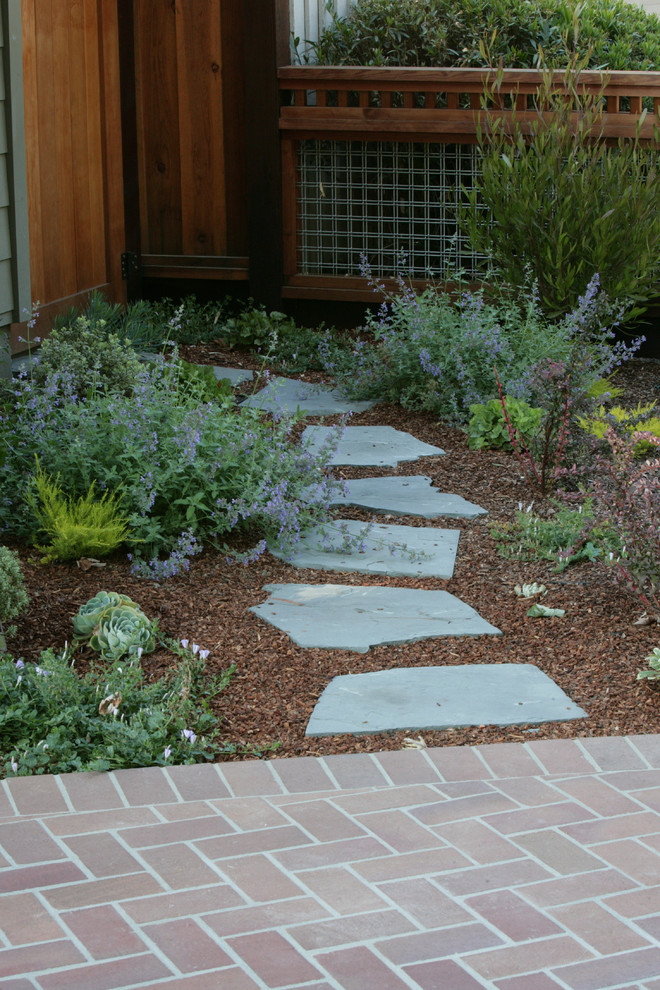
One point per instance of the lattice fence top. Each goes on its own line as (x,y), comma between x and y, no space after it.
(426,102)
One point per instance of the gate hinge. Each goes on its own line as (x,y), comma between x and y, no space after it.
(129,264)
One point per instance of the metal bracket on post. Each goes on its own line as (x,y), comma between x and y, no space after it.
(129,264)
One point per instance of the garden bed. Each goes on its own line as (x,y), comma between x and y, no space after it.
(593,653)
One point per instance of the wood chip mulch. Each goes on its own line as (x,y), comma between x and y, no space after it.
(593,653)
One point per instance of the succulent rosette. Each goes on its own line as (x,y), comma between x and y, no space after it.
(85,622)
(123,631)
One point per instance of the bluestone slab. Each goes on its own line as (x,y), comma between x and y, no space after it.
(288,394)
(421,698)
(235,375)
(349,617)
(370,446)
(412,496)
(399,551)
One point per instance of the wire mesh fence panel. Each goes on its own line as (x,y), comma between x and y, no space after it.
(394,203)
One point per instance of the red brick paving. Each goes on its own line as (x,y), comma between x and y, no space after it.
(513,867)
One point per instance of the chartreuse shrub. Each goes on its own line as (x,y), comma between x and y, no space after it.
(488,426)
(13,597)
(639,420)
(87,526)
(611,33)
(551,197)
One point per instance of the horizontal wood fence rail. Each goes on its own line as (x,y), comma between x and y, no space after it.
(405,106)
(425,103)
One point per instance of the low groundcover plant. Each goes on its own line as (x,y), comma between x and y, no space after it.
(188,471)
(53,720)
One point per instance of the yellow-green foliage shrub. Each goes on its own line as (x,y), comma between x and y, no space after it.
(82,527)
(632,419)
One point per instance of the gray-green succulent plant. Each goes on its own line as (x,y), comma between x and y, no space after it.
(85,622)
(123,630)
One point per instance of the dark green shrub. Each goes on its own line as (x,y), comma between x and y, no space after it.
(612,33)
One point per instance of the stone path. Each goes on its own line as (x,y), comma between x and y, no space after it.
(356,618)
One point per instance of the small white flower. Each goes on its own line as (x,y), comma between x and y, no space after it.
(19,664)
(167,752)
(189,735)
(204,654)
(195,648)
(184,644)
(14,766)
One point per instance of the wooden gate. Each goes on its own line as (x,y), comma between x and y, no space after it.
(73,150)
(190,141)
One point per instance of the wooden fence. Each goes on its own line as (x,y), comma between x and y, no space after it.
(73,149)
(403,107)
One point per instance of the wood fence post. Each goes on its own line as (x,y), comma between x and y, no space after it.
(266,47)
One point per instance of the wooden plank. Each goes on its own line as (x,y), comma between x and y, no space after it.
(158,124)
(112,152)
(233,61)
(55,128)
(404,77)
(85,170)
(263,166)
(289,207)
(200,101)
(211,262)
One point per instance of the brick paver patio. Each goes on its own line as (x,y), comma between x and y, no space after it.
(515,867)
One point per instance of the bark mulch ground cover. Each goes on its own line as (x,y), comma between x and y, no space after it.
(593,653)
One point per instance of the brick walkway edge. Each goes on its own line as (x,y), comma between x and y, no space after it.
(516,867)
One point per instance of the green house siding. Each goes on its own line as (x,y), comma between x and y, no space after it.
(15,299)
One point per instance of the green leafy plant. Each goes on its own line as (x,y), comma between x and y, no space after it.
(81,357)
(76,527)
(552,196)
(488,428)
(13,597)
(558,537)
(200,380)
(255,329)
(53,720)
(482,32)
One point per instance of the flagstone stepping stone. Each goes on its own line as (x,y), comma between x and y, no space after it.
(399,551)
(420,698)
(288,394)
(370,446)
(235,375)
(346,617)
(411,496)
